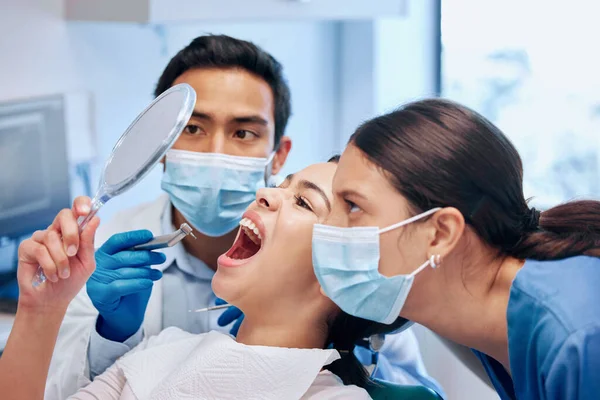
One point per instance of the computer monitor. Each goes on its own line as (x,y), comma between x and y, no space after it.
(34,167)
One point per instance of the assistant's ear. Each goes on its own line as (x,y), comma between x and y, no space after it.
(285,145)
(449,225)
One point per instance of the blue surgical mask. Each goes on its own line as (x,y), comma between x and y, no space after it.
(211,190)
(346,263)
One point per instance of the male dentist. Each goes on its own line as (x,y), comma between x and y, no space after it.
(235,134)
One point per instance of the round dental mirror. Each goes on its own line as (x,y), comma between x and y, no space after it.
(147,140)
(141,147)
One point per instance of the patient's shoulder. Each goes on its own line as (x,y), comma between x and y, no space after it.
(328,386)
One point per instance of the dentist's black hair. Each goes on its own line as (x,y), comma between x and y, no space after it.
(438,153)
(225,52)
(344,332)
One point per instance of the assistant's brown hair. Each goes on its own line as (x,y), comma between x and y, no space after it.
(438,153)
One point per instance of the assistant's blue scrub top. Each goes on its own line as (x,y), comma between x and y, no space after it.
(553,320)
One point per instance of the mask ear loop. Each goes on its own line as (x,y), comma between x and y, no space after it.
(269,170)
(434,262)
(410,220)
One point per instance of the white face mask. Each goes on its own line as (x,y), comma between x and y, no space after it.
(346,263)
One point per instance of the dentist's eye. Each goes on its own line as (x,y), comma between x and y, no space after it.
(245,135)
(352,207)
(193,129)
(302,203)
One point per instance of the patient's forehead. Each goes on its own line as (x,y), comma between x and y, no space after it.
(320,174)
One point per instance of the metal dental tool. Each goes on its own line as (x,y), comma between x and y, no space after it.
(211,308)
(170,240)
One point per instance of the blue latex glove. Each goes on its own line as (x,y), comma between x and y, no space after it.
(121,285)
(229,315)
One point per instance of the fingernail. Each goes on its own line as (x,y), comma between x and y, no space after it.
(53,278)
(72,250)
(65,273)
(85,208)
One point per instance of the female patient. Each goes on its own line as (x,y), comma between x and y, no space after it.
(281,346)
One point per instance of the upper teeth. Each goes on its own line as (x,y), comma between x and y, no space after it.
(245,222)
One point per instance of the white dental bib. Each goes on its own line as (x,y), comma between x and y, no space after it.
(215,366)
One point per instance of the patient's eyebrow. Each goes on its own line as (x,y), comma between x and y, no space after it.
(313,186)
(286,182)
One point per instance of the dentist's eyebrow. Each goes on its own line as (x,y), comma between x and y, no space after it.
(313,186)
(202,115)
(251,119)
(239,119)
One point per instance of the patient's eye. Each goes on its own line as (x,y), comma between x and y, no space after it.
(302,203)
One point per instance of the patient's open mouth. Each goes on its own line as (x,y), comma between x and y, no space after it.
(247,243)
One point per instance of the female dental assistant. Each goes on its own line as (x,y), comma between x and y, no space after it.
(430,223)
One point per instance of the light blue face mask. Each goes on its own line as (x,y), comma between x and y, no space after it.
(346,263)
(211,190)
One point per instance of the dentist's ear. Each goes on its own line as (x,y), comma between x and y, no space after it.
(447,227)
(285,145)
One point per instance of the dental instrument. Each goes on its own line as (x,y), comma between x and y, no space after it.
(169,240)
(211,308)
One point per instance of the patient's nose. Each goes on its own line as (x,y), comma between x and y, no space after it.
(268,198)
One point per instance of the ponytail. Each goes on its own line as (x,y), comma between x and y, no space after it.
(563,231)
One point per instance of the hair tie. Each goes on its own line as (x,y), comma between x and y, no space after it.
(532,220)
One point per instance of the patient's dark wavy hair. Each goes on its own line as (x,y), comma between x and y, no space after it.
(344,332)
